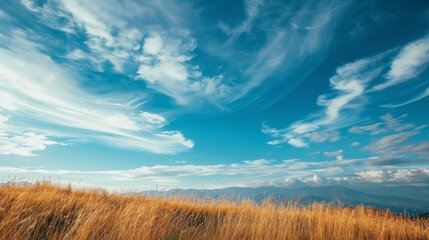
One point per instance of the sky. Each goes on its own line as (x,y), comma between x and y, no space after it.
(169,94)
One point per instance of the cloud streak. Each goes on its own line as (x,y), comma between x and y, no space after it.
(165,67)
(349,83)
(156,54)
(13,141)
(353,85)
(46,96)
(255,173)
(408,64)
(419,97)
(252,9)
(388,124)
(385,176)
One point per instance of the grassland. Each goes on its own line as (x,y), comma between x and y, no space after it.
(44,211)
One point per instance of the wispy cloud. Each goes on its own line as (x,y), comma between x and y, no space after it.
(109,37)
(254,168)
(252,173)
(353,85)
(46,96)
(337,154)
(349,83)
(374,129)
(142,40)
(14,141)
(174,175)
(252,8)
(397,144)
(165,67)
(3,15)
(422,95)
(248,170)
(409,63)
(395,137)
(385,176)
(328,136)
(158,55)
(278,49)
(389,123)
(49,15)
(419,175)
(388,145)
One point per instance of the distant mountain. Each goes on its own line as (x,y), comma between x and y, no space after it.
(390,198)
(413,192)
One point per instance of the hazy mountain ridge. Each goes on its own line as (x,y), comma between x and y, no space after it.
(412,202)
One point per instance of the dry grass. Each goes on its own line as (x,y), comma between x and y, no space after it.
(43,211)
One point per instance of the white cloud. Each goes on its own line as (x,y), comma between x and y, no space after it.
(120,120)
(113,36)
(153,119)
(110,38)
(80,56)
(153,44)
(350,91)
(47,95)
(355,144)
(334,153)
(422,95)
(23,145)
(415,148)
(296,142)
(165,66)
(388,143)
(29,4)
(183,176)
(3,15)
(252,8)
(49,16)
(337,154)
(13,141)
(385,176)
(3,119)
(331,136)
(349,82)
(251,172)
(409,63)
(7,101)
(134,38)
(249,167)
(389,123)
(283,49)
(395,124)
(395,144)
(419,175)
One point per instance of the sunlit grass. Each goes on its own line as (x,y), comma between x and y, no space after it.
(44,211)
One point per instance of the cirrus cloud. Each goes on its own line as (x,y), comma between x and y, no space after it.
(46,96)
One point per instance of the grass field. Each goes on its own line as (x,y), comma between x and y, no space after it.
(44,211)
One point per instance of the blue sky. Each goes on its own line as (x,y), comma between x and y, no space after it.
(210,94)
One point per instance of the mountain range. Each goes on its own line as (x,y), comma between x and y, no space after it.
(399,199)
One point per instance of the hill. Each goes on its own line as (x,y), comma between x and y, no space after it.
(44,211)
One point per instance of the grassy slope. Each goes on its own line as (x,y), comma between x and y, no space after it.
(43,211)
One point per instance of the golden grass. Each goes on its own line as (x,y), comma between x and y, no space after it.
(44,211)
